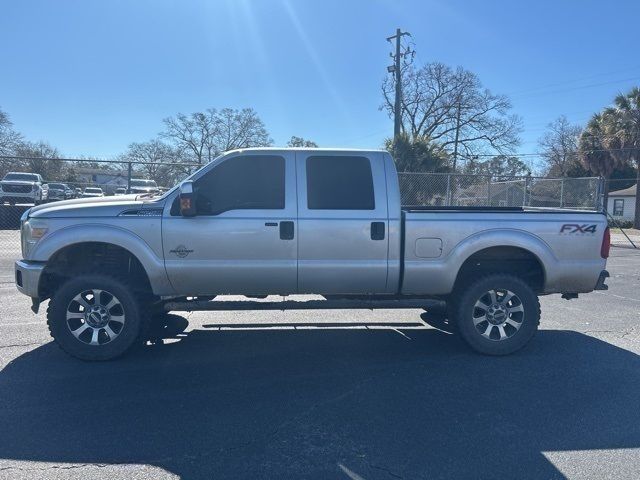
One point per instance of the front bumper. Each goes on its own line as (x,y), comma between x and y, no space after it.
(15,197)
(28,277)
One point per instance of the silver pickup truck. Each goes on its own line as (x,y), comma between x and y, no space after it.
(256,222)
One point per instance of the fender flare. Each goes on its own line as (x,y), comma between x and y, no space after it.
(100,233)
(501,237)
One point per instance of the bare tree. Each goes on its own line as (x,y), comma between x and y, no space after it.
(501,167)
(9,141)
(240,129)
(451,107)
(157,161)
(40,157)
(299,142)
(204,135)
(9,138)
(193,133)
(559,146)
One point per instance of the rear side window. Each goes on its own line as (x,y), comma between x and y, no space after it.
(339,183)
(246,182)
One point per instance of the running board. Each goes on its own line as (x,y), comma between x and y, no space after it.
(344,304)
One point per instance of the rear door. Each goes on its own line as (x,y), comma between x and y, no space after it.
(342,222)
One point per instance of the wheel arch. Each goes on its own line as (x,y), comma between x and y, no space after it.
(79,243)
(504,251)
(92,257)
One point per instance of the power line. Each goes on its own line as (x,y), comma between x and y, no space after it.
(537,154)
(571,89)
(576,80)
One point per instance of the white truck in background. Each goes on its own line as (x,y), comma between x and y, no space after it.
(19,187)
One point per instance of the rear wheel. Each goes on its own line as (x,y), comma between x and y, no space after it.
(95,317)
(497,314)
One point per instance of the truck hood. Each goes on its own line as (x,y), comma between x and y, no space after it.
(94,207)
(16,182)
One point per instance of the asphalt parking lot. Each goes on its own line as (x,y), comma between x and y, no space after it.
(381,402)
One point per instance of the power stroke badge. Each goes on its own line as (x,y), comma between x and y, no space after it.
(181,251)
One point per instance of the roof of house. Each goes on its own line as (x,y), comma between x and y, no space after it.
(627,192)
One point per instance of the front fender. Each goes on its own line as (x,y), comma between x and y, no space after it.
(87,232)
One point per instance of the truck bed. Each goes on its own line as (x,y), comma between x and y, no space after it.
(436,241)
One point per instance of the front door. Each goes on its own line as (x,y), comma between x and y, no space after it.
(342,223)
(243,239)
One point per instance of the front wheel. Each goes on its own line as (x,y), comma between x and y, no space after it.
(497,314)
(94,317)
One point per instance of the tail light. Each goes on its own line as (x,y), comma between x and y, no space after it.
(606,243)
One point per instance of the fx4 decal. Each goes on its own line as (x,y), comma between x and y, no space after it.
(575,228)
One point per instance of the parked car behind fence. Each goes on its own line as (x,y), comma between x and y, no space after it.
(20,187)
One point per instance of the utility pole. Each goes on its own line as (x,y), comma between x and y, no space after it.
(457,139)
(396,69)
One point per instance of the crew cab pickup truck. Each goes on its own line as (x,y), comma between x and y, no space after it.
(18,187)
(256,222)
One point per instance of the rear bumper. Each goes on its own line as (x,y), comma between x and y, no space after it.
(600,285)
(28,277)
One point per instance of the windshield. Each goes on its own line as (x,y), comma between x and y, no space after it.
(24,177)
(192,176)
(143,183)
(93,190)
(57,186)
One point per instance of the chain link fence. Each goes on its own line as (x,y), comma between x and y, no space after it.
(417,189)
(457,190)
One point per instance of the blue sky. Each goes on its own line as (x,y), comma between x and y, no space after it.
(92,76)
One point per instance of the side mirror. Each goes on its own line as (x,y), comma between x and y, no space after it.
(187,199)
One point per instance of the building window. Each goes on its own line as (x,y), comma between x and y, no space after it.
(618,207)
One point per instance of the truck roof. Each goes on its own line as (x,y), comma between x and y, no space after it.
(305,149)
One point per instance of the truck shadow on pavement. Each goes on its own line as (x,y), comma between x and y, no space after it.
(324,404)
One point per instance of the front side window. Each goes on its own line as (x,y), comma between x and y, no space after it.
(618,207)
(339,183)
(240,183)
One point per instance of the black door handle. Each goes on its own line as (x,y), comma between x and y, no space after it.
(377,230)
(286,230)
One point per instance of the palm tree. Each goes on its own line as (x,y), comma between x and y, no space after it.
(596,146)
(625,125)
